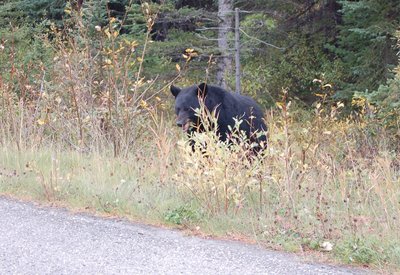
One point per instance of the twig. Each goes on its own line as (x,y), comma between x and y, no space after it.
(263,42)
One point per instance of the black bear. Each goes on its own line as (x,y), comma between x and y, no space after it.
(226,105)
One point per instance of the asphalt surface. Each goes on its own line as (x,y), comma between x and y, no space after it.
(43,240)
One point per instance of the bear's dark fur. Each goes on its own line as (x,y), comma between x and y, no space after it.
(225,105)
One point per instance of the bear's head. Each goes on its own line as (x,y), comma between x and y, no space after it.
(186,102)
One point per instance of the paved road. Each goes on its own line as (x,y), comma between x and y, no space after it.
(41,240)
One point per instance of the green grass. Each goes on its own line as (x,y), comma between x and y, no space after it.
(367,251)
(131,187)
(106,184)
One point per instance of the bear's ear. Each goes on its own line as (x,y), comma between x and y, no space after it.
(202,89)
(175,90)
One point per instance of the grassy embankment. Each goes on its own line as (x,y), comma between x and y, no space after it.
(319,181)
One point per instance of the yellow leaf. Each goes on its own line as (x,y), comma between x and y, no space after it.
(107,32)
(178,67)
(143,104)
(279,104)
(41,121)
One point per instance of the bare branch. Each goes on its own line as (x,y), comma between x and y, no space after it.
(263,42)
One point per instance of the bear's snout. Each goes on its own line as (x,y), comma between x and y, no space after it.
(183,123)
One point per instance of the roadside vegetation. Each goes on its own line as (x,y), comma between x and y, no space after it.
(86,121)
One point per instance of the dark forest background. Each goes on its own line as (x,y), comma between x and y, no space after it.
(344,48)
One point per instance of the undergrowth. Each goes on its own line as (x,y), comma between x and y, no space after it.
(90,132)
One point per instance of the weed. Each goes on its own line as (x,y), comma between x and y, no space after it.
(364,251)
(182,215)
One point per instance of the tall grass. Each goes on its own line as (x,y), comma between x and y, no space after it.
(89,131)
(91,97)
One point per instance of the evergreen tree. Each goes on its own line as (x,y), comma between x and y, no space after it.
(366,43)
(22,11)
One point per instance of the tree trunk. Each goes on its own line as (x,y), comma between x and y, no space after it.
(225,14)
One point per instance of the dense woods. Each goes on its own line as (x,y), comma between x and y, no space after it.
(87,119)
(350,45)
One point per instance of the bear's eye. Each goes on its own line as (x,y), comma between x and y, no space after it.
(185,109)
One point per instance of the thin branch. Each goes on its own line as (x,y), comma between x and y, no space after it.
(209,39)
(263,42)
(214,28)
